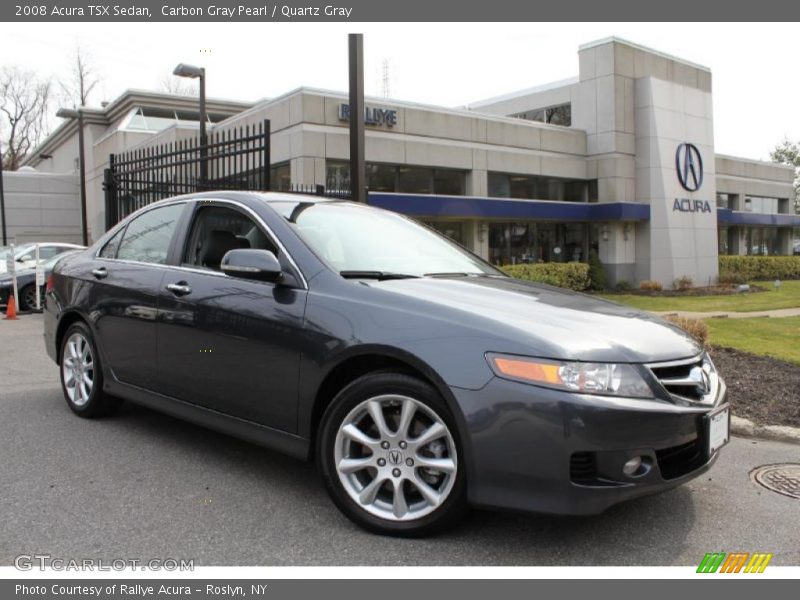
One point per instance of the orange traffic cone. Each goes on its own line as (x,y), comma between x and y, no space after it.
(11,308)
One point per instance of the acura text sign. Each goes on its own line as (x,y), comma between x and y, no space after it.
(372,116)
(691,206)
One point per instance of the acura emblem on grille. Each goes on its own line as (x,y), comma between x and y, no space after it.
(701,379)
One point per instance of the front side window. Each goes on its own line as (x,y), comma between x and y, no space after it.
(110,249)
(218,229)
(356,238)
(148,236)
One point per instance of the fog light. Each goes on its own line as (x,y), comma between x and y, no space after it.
(633,467)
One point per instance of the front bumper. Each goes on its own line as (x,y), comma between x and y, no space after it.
(540,450)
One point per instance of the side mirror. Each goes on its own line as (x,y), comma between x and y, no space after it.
(261,265)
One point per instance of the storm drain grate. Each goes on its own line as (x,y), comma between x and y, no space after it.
(782,478)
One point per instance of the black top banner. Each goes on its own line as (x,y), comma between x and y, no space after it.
(399,10)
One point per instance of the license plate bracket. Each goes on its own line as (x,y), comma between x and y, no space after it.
(718,428)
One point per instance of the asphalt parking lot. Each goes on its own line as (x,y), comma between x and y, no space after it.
(144,485)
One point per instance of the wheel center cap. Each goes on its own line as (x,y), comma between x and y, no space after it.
(395,457)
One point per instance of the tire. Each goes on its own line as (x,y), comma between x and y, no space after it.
(27,297)
(80,362)
(410,485)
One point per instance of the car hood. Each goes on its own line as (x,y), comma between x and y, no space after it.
(545,321)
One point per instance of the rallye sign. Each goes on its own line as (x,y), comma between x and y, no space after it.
(372,116)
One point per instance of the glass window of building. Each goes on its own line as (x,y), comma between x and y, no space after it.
(730,201)
(146,118)
(762,241)
(535,187)
(449,182)
(722,237)
(761,204)
(380,178)
(280,176)
(531,242)
(397,178)
(451,229)
(560,114)
(414,180)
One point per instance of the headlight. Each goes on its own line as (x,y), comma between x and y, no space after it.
(583,377)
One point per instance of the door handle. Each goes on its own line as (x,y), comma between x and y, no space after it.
(100,273)
(179,289)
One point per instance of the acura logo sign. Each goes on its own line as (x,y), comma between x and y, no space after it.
(395,457)
(689,165)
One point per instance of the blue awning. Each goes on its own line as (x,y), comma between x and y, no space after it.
(423,205)
(726,216)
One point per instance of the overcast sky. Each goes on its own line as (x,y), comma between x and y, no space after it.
(755,66)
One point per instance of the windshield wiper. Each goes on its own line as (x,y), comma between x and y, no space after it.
(379,275)
(456,274)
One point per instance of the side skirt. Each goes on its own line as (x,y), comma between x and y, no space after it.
(287,443)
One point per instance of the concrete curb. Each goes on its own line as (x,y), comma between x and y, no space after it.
(778,433)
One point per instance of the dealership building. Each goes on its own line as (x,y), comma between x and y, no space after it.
(619,159)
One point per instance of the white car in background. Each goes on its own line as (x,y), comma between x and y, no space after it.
(25,254)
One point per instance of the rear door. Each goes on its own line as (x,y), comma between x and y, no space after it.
(126,278)
(227,343)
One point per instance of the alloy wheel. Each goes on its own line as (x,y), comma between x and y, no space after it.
(395,457)
(29,297)
(77,368)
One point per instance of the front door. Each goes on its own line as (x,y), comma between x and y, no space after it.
(226,343)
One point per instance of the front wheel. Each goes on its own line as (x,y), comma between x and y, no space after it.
(389,455)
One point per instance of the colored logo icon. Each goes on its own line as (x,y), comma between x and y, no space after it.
(689,166)
(734,562)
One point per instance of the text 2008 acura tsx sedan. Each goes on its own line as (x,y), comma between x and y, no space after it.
(421,378)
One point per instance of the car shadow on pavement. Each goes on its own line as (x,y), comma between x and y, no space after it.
(294,503)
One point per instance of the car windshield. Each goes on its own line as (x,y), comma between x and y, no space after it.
(20,250)
(358,240)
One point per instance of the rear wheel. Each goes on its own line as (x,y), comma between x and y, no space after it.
(389,455)
(82,375)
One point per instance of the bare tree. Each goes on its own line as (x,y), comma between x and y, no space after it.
(82,80)
(179,86)
(24,99)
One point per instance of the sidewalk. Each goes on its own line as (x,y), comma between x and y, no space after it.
(721,314)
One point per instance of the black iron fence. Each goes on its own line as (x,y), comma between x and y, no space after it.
(232,159)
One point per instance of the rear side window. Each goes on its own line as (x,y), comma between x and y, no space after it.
(148,236)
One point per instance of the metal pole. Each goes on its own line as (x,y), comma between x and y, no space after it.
(3,201)
(37,283)
(357,167)
(203,138)
(82,156)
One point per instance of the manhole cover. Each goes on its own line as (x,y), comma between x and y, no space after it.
(783,478)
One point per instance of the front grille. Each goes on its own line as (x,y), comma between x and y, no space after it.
(680,460)
(583,467)
(680,378)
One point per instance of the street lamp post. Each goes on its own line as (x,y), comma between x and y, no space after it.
(72,113)
(356,70)
(192,72)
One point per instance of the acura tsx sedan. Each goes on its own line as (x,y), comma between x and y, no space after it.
(420,378)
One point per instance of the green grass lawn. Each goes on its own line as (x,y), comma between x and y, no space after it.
(769,336)
(787,297)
